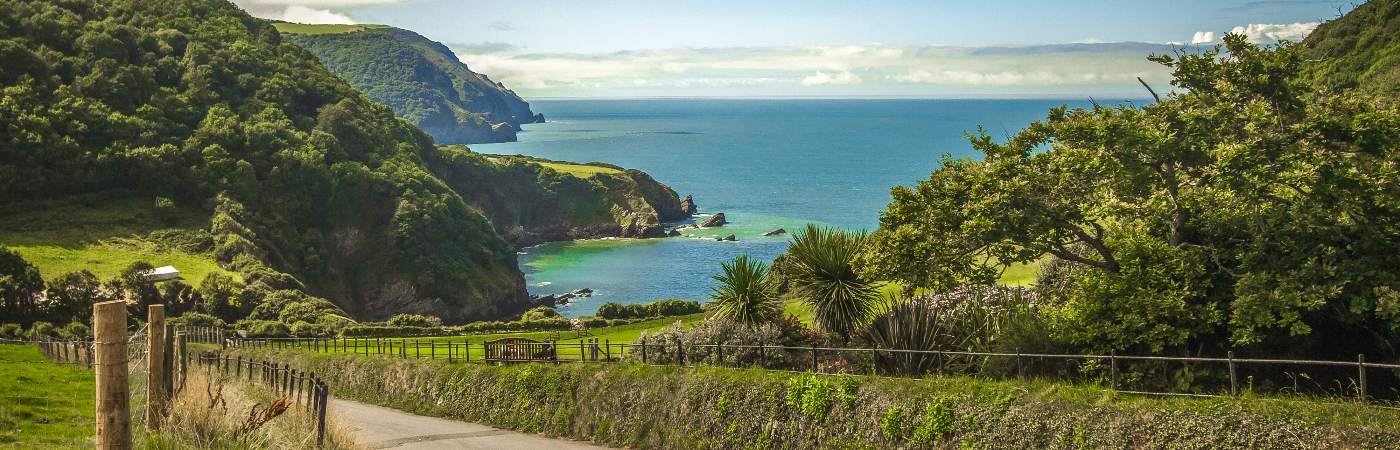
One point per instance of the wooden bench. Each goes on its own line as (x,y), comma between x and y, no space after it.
(519,350)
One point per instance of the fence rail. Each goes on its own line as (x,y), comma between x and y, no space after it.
(786,357)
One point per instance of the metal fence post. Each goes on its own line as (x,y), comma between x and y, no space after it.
(814,357)
(1113,362)
(1361,372)
(1020,367)
(1234,382)
(644,350)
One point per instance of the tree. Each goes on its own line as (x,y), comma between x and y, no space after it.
(744,293)
(1245,209)
(21,287)
(73,294)
(822,272)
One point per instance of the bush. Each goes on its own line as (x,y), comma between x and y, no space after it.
(716,331)
(75,331)
(610,310)
(595,322)
(12,331)
(372,331)
(43,330)
(195,319)
(415,320)
(306,330)
(539,313)
(259,329)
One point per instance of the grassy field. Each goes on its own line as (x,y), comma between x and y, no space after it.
(35,392)
(100,235)
(301,28)
(579,170)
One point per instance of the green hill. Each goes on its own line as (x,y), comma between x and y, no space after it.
(531,200)
(1360,50)
(420,79)
(290,167)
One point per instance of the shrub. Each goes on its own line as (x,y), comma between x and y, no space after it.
(258,329)
(389,331)
(539,313)
(596,322)
(75,330)
(415,320)
(662,344)
(43,329)
(195,319)
(672,307)
(12,331)
(611,310)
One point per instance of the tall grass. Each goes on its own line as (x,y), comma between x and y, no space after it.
(669,407)
(210,410)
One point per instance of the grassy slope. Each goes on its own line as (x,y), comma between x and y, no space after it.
(102,237)
(61,393)
(301,28)
(579,170)
(712,407)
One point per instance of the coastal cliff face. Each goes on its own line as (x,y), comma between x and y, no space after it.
(531,201)
(422,80)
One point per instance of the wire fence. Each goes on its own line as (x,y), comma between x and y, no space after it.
(1128,374)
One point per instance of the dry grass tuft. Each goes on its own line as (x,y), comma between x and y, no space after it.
(210,421)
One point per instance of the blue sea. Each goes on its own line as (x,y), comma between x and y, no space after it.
(765,164)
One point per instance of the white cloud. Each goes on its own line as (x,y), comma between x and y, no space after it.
(311,11)
(302,14)
(869,67)
(821,78)
(1263,33)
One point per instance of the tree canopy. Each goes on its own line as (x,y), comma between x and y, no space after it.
(1246,209)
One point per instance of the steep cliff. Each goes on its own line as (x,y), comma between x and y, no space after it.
(531,200)
(422,80)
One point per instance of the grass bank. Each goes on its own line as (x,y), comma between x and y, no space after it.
(720,408)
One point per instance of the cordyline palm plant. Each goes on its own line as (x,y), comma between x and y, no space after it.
(822,274)
(967,319)
(745,294)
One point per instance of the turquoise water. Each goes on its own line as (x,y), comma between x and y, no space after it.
(766,164)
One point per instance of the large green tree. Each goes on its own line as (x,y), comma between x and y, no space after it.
(1245,209)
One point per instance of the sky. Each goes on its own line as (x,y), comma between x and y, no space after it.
(819,48)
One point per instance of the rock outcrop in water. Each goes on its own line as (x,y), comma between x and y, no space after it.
(714,221)
(688,205)
(777,232)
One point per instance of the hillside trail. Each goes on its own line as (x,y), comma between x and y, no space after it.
(377,427)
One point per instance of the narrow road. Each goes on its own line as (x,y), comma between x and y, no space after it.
(378,427)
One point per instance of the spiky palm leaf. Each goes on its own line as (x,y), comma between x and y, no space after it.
(822,273)
(745,294)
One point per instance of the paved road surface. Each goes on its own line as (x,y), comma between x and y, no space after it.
(378,427)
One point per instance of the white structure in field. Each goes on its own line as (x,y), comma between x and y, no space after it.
(162,274)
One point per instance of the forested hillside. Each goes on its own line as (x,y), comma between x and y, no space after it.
(303,179)
(420,79)
(1360,50)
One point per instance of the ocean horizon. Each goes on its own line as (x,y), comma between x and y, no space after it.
(765,163)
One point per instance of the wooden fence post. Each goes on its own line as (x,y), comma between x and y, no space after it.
(113,399)
(155,366)
(321,415)
(184,355)
(1020,368)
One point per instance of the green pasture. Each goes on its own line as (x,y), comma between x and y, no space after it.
(579,170)
(44,405)
(100,235)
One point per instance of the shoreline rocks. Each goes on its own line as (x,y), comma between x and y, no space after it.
(714,221)
(777,232)
(688,205)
